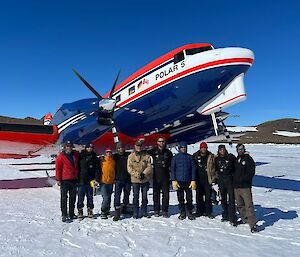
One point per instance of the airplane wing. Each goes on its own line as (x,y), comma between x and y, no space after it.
(25,141)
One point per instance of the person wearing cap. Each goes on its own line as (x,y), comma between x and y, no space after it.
(88,166)
(106,177)
(205,177)
(66,173)
(183,176)
(140,170)
(224,165)
(122,181)
(242,183)
(161,176)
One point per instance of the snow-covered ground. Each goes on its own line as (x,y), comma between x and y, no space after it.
(286,133)
(31,223)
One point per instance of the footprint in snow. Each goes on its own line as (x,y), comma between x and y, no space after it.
(130,242)
(191,233)
(181,250)
(127,254)
(172,240)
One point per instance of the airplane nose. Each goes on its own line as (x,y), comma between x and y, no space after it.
(234,52)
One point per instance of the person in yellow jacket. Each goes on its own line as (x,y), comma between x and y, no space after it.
(106,177)
(140,169)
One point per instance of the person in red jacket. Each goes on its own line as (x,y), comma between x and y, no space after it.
(66,167)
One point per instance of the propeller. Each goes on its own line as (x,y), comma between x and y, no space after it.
(107,105)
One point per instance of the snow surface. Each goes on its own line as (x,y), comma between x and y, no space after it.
(241,129)
(286,133)
(31,223)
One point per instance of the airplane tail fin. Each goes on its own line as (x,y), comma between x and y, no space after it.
(47,118)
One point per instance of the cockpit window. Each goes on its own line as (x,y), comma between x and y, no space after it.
(178,57)
(197,50)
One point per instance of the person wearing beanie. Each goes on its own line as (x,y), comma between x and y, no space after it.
(89,164)
(122,181)
(205,176)
(66,168)
(224,165)
(106,177)
(183,176)
(242,183)
(140,170)
(161,176)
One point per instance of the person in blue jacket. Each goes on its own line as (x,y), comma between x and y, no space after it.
(183,176)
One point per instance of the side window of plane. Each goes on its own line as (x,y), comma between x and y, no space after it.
(118,98)
(178,57)
(131,90)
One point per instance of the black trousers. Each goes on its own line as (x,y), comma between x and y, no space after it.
(164,187)
(184,188)
(203,201)
(227,200)
(67,187)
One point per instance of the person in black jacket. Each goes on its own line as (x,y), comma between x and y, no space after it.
(242,183)
(122,181)
(88,166)
(224,165)
(161,176)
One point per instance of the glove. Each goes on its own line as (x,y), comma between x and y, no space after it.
(175,185)
(93,183)
(142,176)
(193,185)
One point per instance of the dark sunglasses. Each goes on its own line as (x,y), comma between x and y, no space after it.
(160,141)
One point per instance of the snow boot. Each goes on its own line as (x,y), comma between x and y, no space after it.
(190,215)
(103,216)
(156,214)
(165,214)
(146,215)
(254,229)
(80,214)
(64,219)
(117,214)
(90,213)
(182,216)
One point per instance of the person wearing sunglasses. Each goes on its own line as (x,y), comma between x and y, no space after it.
(161,176)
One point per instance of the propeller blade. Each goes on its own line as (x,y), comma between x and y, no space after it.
(114,86)
(88,85)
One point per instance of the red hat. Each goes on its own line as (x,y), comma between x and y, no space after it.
(108,150)
(203,145)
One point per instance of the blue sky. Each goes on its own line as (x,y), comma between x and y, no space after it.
(42,40)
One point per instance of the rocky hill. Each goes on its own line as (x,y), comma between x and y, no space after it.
(27,120)
(283,131)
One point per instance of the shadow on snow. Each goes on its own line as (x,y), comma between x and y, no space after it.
(276,183)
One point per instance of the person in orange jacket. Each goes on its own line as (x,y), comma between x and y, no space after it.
(66,168)
(106,178)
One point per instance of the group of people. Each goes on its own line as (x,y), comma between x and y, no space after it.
(124,171)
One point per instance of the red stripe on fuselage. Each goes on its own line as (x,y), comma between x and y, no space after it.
(191,70)
(155,64)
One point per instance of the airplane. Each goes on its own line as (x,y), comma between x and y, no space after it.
(180,96)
